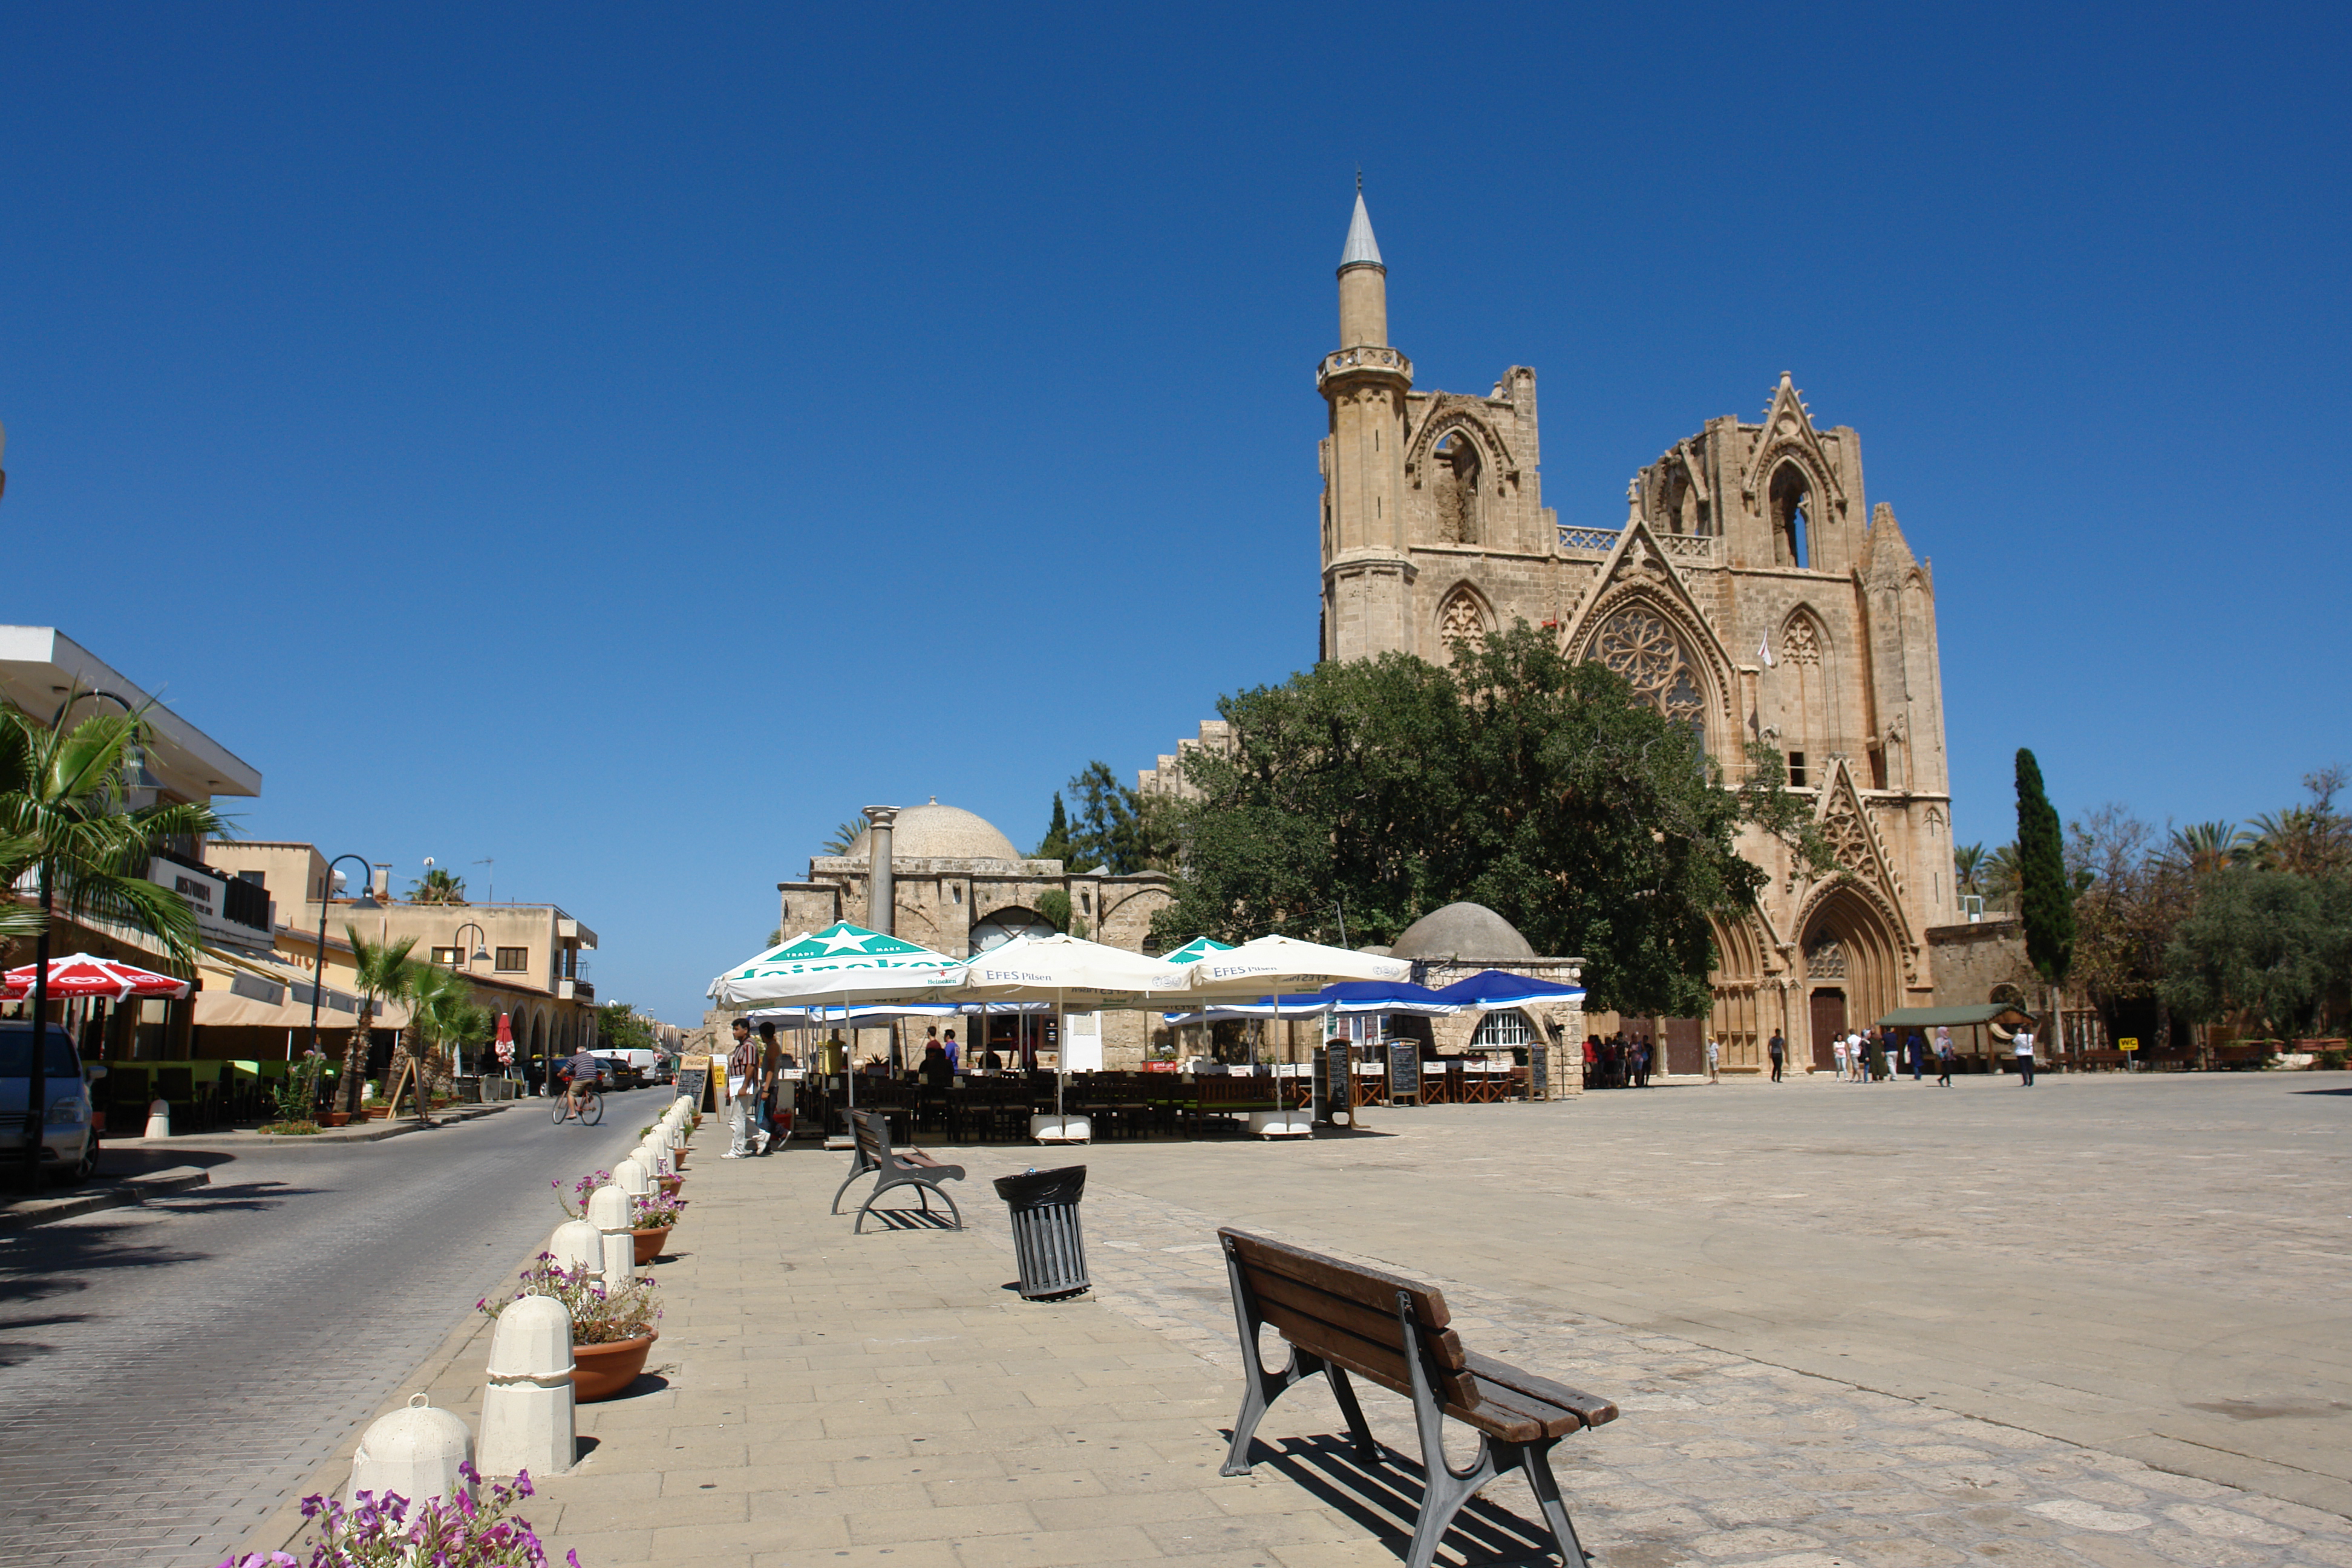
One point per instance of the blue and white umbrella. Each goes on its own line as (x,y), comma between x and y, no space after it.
(1495,989)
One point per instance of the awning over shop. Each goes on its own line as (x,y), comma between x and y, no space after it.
(244,992)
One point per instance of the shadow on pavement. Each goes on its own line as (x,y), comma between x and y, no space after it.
(1385,1500)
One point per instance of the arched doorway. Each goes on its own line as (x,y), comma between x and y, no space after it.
(995,931)
(1853,968)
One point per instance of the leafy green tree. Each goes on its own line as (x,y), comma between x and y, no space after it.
(618,1028)
(381,972)
(437,886)
(2312,839)
(2262,947)
(1115,829)
(1520,779)
(2047,896)
(1054,908)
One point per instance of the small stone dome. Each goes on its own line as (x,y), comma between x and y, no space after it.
(937,832)
(1462,931)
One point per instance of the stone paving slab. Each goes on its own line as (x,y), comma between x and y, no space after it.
(822,1398)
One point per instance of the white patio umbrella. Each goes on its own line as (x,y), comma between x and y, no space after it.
(842,965)
(1057,968)
(1274,964)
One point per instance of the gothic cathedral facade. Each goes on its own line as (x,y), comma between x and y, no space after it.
(1750,592)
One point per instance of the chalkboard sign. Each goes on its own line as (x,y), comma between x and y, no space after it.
(693,1083)
(1538,1072)
(1331,1081)
(1404,1072)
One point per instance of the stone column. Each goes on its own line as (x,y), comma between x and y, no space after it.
(881,890)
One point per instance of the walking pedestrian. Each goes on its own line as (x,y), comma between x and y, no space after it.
(1943,1057)
(950,1048)
(1839,1051)
(771,1078)
(1916,1048)
(1714,1056)
(1779,1052)
(1641,1062)
(2022,1048)
(742,1069)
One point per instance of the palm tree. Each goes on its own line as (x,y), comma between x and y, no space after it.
(843,839)
(2203,847)
(1968,864)
(437,886)
(2000,875)
(381,972)
(441,1012)
(64,818)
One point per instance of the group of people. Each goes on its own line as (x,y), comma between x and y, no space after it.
(759,1099)
(1618,1062)
(1876,1056)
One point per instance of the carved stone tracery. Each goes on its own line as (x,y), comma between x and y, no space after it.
(1461,620)
(1801,643)
(1637,643)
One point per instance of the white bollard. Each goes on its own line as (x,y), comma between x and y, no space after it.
(528,1415)
(414,1451)
(576,1244)
(655,1153)
(608,1211)
(633,1178)
(159,1119)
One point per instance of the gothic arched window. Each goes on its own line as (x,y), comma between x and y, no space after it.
(1791,495)
(1639,644)
(1454,469)
(1461,620)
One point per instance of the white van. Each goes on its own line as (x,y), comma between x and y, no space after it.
(69,1133)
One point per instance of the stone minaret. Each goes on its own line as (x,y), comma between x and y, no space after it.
(1365,574)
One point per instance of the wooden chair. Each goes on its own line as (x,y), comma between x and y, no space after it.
(1340,1318)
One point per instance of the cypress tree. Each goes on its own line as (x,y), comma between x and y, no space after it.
(1056,843)
(2046,898)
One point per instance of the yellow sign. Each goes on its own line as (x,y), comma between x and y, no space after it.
(2129,1044)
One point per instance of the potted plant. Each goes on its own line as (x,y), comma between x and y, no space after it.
(651,1219)
(612,1333)
(574,1198)
(471,1533)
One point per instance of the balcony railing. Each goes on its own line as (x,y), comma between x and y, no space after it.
(1697,548)
(1362,357)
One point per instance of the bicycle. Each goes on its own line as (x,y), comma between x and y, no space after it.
(590,1112)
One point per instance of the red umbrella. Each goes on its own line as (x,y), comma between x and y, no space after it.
(86,975)
(505,1042)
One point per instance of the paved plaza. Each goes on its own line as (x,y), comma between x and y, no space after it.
(2097,1322)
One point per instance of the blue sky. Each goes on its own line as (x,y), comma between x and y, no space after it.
(623,442)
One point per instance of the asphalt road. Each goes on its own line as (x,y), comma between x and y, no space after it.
(169,1374)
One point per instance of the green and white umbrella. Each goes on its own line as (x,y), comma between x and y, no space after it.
(843,963)
(1199,948)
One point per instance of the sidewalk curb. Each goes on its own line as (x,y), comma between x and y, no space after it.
(122,1195)
(332,1138)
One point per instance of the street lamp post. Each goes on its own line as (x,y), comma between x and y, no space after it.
(481,951)
(319,954)
(36,1088)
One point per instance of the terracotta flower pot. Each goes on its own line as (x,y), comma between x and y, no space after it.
(670,1184)
(337,1118)
(600,1372)
(649,1243)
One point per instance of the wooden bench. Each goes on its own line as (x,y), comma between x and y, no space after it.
(895,1168)
(1338,1318)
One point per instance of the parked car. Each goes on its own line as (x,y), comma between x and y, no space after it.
(68,1134)
(665,1067)
(619,1072)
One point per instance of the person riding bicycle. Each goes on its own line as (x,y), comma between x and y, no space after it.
(579,1074)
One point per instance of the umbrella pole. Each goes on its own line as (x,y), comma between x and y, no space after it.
(848,1066)
(1061,1059)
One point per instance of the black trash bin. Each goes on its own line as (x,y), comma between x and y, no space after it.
(1046,1242)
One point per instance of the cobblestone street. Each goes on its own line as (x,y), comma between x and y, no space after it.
(168,1372)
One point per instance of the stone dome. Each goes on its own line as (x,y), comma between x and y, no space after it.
(1462,931)
(937,832)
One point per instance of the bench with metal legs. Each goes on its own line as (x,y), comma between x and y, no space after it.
(895,1168)
(1340,1318)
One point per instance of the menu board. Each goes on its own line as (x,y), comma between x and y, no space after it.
(694,1079)
(1538,1072)
(1334,1096)
(1404,1072)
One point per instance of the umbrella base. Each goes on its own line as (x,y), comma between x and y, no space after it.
(1281,1124)
(1061,1129)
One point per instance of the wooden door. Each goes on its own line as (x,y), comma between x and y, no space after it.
(1829,1022)
(1686,1044)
